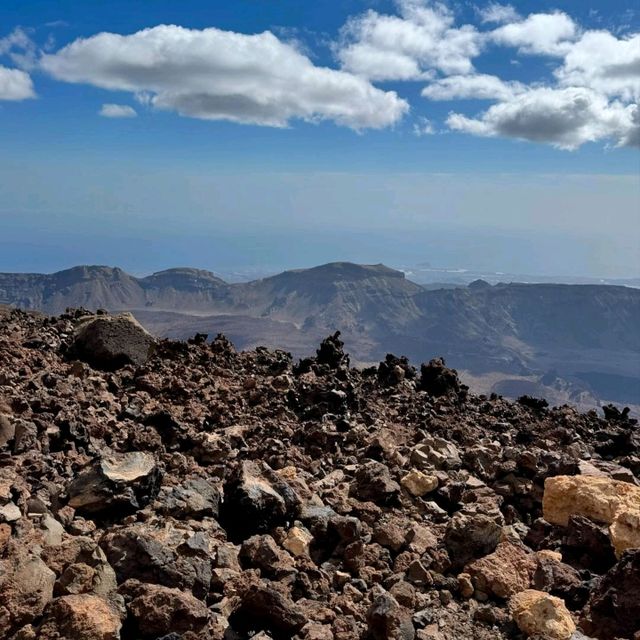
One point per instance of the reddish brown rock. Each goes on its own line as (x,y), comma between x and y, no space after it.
(78,617)
(503,573)
(158,611)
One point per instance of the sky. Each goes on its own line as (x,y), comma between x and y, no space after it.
(279,133)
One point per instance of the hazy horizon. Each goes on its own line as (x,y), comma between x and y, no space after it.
(483,136)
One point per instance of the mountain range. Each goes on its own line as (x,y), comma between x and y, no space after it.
(569,343)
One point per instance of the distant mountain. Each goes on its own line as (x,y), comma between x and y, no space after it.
(579,342)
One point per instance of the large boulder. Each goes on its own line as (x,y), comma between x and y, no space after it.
(603,500)
(373,483)
(111,342)
(159,555)
(439,380)
(262,607)
(388,620)
(119,484)
(599,499)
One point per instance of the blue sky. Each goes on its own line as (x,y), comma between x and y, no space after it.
(409,120)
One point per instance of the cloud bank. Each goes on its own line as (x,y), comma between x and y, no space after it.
(587,86)
(592,93)
(220,75)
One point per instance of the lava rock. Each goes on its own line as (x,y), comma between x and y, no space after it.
(503,573)
(111,342)
(388,620)
(373,483)
(116,484)
(256,500)
(613,609)
(158,611)
(263,608)
(439,380)
(80,616)
(468,537)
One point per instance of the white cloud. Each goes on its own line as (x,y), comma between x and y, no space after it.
(473,87)
(111,110)
(498,13)
(221,75)
(15,84)
(604,63)
(539,33)
(566,118)
(411,46)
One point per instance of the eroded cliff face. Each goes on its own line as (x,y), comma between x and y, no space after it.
(186,490)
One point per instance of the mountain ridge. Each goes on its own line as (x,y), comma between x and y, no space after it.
(580,332)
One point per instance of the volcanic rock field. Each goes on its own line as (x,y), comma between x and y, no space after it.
(184,490)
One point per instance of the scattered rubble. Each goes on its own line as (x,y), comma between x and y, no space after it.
(182,490)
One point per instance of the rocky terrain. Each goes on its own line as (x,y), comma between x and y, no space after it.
(568,343)
(164,489)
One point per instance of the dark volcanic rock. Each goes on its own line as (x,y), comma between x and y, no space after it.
(115,485)
(374,483)
(263,608)
(471,536)
(388,620)
(157,556)
(158,611)
(112,342)
(613,609)
(439,380)
(256,500)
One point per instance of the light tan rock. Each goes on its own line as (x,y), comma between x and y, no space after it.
(593,497)
(556,556)
(10,513)
(297,541)
(625,531)
(418,483)
(538,614)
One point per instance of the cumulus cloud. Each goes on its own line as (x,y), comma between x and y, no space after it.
(473,87)
(413,45)
(539,33)
(15,84)
(498,13)
(111,110)
(566,118)
(604,63)
(222,75)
